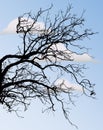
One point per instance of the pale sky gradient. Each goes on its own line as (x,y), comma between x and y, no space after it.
(88,113)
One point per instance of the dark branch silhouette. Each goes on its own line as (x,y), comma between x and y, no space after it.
(32,72)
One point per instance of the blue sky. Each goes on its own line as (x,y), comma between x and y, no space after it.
(88,113)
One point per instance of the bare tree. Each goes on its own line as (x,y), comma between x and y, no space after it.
(32,72)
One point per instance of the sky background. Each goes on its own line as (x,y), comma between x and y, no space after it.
(88,113)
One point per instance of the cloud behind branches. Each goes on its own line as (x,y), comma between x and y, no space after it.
(12,26)
(73,56)
(65,85)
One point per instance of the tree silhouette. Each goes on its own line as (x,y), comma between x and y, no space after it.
(36,69)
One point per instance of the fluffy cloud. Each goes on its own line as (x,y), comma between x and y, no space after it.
(64,54)
(11,28)
(83,58)
(64,85)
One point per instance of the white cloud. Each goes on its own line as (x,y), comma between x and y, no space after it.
(64,54)
(11,28)
(83,58)
(64,85)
